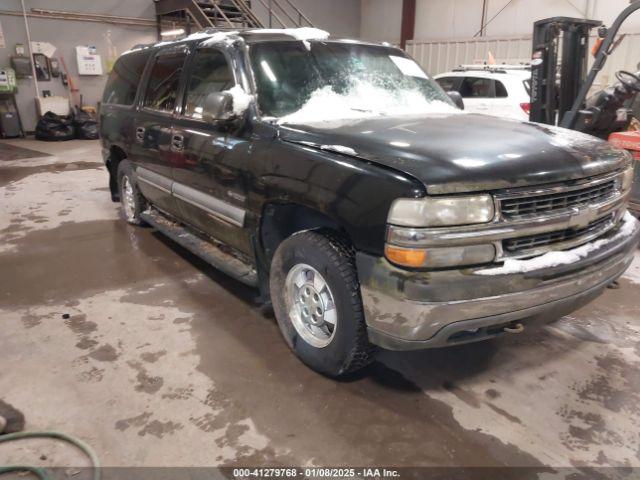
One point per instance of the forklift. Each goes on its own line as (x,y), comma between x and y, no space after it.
(561,82)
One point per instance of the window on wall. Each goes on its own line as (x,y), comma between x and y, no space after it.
(210,73)
(473,87)
(164,80)
(124,79)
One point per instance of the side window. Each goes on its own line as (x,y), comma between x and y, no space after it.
(473,87)
(210,72)
(501,91)
(162,89)
(447,83)
(124,79)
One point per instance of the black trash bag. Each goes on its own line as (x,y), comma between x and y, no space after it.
(86,125)
(52,127)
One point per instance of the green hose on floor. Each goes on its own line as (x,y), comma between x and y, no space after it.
(40,472)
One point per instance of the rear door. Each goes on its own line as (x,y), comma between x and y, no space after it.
(449,84)
(153,128)
(478,94)
(209,183)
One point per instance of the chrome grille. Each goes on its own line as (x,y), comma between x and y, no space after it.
(530,243)
(527,206)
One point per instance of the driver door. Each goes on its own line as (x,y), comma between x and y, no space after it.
(209,182)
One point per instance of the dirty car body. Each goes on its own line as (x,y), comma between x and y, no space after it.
(434,206)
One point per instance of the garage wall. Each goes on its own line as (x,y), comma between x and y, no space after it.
(66,35)
(518,18)
(381,20)
(438,19)
(340,17)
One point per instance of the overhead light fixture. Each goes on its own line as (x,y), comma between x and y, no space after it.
(173,33)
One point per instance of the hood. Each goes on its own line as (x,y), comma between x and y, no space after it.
(455,153)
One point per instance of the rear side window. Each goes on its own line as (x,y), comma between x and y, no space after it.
(124,79)
(210,73)
(448,84)
(162,89)
(501,91)
(473,87)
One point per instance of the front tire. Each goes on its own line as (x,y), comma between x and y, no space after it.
(133,203)
(316,299)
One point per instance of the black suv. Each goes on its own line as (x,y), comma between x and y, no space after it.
(340,180)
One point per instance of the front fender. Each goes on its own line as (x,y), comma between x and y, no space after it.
(353,193)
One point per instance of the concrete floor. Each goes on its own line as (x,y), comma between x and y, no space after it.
(165,362)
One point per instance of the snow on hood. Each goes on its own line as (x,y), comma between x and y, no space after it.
(567,257)
(241,99)
(363,100)
(304,34)
(332,148)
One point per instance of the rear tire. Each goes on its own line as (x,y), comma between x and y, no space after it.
(133,203)
(316,299)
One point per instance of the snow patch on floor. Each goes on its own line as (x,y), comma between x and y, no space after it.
(325,105)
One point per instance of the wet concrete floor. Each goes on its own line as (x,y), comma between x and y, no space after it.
(116,335)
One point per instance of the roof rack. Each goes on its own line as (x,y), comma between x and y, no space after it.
(502,68)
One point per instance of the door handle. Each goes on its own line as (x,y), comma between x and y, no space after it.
(140,134)
(177,143)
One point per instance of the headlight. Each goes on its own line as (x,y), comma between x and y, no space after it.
(627,179)
(442,211)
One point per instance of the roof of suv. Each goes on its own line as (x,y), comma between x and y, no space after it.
(252,36)
(483,71)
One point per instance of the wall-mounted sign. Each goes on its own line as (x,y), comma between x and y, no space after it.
(45,48)
(89,63)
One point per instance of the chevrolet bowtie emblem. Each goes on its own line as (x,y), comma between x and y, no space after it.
(581,218)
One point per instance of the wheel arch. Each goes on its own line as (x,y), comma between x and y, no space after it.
(281,219)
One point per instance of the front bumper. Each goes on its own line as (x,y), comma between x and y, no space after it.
(407,310)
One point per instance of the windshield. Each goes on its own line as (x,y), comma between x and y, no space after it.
(325,80)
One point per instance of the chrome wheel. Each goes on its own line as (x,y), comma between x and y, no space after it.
(128,199)
(311,306)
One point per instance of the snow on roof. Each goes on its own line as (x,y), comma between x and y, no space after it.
(304,34)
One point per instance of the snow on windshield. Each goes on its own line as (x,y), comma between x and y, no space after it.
(334,81)
(364,100)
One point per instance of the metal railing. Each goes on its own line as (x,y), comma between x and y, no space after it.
(235,14)
(293,14)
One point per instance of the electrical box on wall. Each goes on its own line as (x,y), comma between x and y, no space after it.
(7,80)
(89,63)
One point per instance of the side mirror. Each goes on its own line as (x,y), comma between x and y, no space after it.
(218,106)
(457,99)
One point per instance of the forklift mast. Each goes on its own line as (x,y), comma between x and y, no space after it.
(559,43)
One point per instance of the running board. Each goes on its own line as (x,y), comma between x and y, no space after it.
(210,252)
